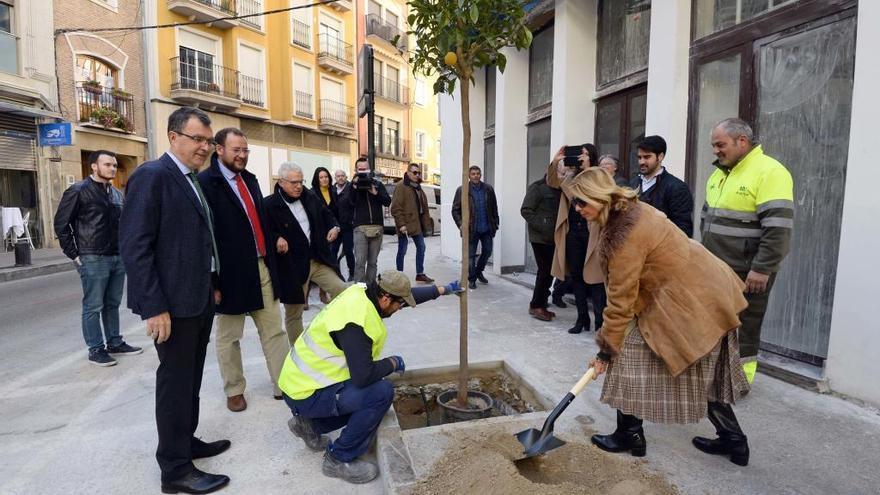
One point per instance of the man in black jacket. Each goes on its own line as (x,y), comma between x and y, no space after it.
(87,226)
(539,209)
(366,200)
(300,229)
(246,266)
(659,188)
(484,220)
(346,236)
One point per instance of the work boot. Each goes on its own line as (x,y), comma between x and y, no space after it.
(356,471)
(731,441)
(628,436)
(303,428)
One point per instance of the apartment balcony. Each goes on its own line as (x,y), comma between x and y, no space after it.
(109,108)
(341,5)
(380,29)
(391,90)
(8,53)
(211,86)
(251,89)
(335,55)
(207,11)
(336,118)
(391,146)
(248,7)
(301,34)
(303,108)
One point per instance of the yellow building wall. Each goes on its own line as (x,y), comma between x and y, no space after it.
(425,118)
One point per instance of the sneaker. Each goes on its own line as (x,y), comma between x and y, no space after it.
(357,471)
(124,349)
(424,278)
(472,284)
(482,279)
(101,358)
(303,428)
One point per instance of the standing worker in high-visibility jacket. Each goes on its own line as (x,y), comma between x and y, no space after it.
(333,376)
(747,221)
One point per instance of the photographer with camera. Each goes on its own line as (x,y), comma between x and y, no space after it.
(575,239)
(366,200)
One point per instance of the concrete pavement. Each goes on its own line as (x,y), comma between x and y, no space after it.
(70,427)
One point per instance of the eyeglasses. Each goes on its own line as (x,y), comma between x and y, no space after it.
(240,151)
(198,139)
(417,173)
(291,182)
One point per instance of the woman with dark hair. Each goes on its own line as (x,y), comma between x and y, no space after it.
(322,186)
(574,242)
(669,340)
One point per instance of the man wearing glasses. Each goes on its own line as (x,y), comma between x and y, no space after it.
(247,277)
(166,239)
(334,377)
(409,207)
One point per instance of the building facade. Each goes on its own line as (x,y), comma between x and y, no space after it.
(286,79)
(101,85)
(799,70)
(30,178)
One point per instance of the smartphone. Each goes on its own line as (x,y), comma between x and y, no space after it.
(573,150)
(571,161)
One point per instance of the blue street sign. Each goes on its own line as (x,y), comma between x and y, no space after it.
(56,134)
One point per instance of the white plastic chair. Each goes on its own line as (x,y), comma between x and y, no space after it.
(27,230)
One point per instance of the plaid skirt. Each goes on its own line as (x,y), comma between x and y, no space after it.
(639,384)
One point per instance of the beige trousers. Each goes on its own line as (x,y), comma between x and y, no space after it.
(230,329)
(327,279)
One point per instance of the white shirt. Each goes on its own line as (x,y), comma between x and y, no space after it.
(649,183)
(230,178)
(185,171)
(299,212)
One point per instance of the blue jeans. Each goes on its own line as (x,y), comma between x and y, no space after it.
(102,279)
(359,410)
(419,241)
(475,266)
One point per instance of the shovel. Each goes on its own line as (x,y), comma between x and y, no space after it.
(537,442)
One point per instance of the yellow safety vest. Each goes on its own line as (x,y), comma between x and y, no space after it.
(315,361)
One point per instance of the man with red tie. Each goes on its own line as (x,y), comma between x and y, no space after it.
(247,277)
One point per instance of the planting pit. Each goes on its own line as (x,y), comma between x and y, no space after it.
(417,406)
(422,452)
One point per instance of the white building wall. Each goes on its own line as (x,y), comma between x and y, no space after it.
(668,65)
(853,365)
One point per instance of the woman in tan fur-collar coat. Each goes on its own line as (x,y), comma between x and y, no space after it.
(669,339)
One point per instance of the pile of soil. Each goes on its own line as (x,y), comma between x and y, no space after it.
(482,460)
(415,411)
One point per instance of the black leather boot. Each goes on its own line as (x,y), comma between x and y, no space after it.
(731,441)
(578,326)
(628,436)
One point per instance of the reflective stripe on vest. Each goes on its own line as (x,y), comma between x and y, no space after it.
(314,361)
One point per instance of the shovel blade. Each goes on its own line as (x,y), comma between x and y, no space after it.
(535,443)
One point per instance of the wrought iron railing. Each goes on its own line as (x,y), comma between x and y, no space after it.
(386,31)
(246,7)
(301,33)
(108,107)
(304,105)
(337,113)
(225,6)
(251,90)
(206,78)
(333,47)
(390,89)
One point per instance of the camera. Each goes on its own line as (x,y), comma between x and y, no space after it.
(363,181)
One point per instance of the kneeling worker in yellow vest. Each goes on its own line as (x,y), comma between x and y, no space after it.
(333,376)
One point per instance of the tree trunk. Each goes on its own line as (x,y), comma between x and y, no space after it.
(465,239)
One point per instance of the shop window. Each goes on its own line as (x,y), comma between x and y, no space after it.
(541,69)
(716,15)
(624,34)
(620,125)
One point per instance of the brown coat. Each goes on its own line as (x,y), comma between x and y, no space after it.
(592,266)
(405,210)
(684,298)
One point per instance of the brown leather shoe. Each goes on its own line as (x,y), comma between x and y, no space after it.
(540,313)
(236,403)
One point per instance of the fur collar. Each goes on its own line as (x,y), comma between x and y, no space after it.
(616,230)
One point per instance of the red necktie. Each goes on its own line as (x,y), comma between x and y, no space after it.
(252,214)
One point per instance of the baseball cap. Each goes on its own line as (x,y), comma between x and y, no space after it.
(397,284)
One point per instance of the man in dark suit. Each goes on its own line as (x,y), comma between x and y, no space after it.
(247,266)
(301,231)
(346,237)
(167,246)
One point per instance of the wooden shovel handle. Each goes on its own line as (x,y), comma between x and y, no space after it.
(589,376)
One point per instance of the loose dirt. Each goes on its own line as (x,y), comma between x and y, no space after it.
(482,461)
